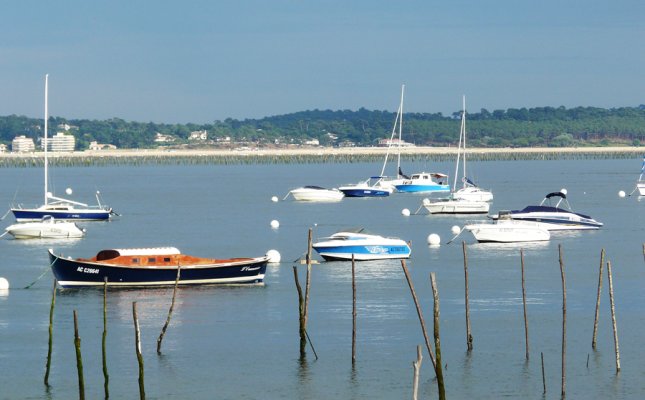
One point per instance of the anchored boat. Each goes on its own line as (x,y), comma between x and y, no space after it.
(362,245)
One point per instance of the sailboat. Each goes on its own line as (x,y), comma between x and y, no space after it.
(640,184)
(469,190)
(418,182)
(467,200)
(57,207)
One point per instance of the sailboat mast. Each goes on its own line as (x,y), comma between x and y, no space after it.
(399,114)
(463,133)
(45,133)
(461,137)
(398,161)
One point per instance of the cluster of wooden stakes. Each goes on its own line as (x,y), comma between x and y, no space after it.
(303,302)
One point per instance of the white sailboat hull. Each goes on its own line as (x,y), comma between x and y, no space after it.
(473,194)
(454,206)
(45,230)
(508,231)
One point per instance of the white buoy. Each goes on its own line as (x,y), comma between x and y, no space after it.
(455,230)
(426,202)
(4,284)
(621,193)
(405,212)
(563,191)
(434,239)
(274,199)
(68,191)
(274,256)
(275,224)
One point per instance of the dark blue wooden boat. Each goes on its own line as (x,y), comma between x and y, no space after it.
(154,267)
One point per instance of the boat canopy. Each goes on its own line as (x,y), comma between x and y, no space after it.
(556,194)
(154,251)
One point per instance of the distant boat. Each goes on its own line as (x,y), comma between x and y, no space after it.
(554,217)
(154,267)
(418,182)
(48,228)
(452,206)
(59,208)
(469,190)
(367,188)
(640,184)
(316,193)
(508,230)
(362,245)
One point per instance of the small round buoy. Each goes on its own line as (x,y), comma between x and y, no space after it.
(274,256)
(405,212)
(68,191)
(426,202)
(621,193)
(274,199)
(563,191)
(455,230)
(434,239)
(4,284)
(275,224)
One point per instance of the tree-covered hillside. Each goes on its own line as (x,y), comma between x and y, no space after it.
(542,126)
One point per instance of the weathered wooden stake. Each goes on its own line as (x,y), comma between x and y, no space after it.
(301,312)
(613,315)
(469,336)
(595,321)
(172,306)
(543,378)
(353,310)
(417,368)
(51,333)
(308,279)
(526,321)
(420,314)
(137,342)
(79,360)
(106,377)
(564,323)
(437,341)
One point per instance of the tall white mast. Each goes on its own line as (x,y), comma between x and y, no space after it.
(397,120)
(463,133)
(461,138)
(45,136)
(398,161)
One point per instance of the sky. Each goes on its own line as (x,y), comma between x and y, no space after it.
(200,61)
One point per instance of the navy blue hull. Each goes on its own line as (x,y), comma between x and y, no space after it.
(37,215)
(365,192)
(75,273)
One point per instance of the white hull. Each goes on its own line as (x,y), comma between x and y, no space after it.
(641,188)
(344,245)
(309,194)
(508,231)
(450,206)
(473,194)
(560,221)
(45,230)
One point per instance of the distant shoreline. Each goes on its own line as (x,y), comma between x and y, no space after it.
(308,155)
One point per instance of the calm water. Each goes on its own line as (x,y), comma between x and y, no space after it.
(242,342)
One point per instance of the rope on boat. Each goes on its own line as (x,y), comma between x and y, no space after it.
(629,194)
(4,234)
(41,275)
(285,197)
(9,210)
(462,229)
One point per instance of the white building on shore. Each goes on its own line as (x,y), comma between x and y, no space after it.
(22,144)
(61,142)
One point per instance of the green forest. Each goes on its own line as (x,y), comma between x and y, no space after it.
(524,127)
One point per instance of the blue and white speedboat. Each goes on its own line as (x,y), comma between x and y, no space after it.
(362,245)
(424,182)
(368,188)
(554,217)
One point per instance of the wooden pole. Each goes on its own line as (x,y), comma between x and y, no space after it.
(172,306)
(423,324)
(353,311)
(543,378)
(106,377)
(437,341)
(526,321)
(308,279)
(301,312)
(137,341)
(613,315)
(417,368)
(469,336)
(79,360)
(595,321)
(564,323)
(51,333)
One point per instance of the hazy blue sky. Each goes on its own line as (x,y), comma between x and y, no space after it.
(205,60)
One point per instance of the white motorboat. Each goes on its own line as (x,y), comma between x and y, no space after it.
(554,217)
(424,182)
(367,188)
(468,191)
(508,230)
(47,228)
(316,193)
(57,207)
(362,245)
(451,205)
